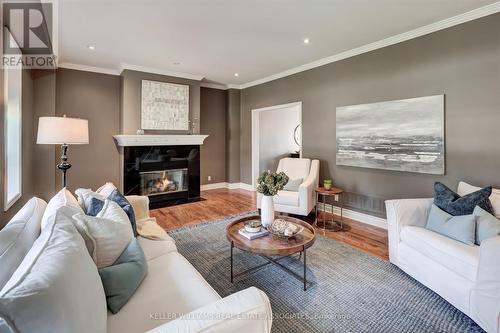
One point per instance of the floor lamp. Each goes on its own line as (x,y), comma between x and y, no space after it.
(63,131)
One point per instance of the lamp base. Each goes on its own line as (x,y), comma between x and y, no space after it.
(64,165)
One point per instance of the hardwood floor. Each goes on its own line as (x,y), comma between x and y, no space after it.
(221,203)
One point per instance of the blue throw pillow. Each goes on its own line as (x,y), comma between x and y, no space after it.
(117,197)
(95,207)
(121,280)
(461,228)
(487,225)
(454,204)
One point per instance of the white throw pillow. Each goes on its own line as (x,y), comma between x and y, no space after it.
(107,234)
(62,198)
(57,287)
(106,189)
(464,189)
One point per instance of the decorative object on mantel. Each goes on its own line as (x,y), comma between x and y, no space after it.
(140,132)
(165,106)
(269,184)
(126,140)
(327,184)
(63,131)
(403,135)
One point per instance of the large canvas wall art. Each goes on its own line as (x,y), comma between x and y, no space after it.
(403,135)
(165,106)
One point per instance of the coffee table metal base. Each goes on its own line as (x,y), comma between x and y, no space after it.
(270,260)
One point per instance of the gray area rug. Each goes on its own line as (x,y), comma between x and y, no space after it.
(349,291)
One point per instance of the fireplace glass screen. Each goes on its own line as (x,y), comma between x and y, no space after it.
(164,181)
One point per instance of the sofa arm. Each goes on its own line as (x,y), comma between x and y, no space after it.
(306,189)
(485,295)
(401,213)
(140,204)
(247,311)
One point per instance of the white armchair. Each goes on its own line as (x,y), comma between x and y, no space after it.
(466,276)
(299,202)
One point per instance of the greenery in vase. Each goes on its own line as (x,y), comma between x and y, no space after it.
(270,183)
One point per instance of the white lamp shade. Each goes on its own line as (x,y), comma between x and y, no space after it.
(59,130)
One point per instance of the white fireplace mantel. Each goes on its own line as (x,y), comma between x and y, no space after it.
(125,140)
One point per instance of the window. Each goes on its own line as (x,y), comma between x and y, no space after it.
(13,135)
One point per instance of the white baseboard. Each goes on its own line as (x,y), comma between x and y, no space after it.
(231,186)
(350,214)
(357,216)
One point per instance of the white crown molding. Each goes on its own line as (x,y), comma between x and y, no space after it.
(427,29)
(85,68)
(128,140)
(124,66)
(213,85)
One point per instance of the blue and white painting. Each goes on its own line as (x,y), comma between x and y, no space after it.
(403,135)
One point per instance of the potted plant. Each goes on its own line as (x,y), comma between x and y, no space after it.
(327,184)
(269,184)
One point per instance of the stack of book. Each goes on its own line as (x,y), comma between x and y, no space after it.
(252,235)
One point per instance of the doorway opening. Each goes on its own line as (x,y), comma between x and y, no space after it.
(276,133)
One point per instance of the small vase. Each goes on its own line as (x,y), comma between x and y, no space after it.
(267,210)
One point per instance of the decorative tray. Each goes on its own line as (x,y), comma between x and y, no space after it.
(284,229)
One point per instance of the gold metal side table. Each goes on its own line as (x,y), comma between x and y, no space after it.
(338,194)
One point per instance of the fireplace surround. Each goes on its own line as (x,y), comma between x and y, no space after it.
(169,175)
(166,168)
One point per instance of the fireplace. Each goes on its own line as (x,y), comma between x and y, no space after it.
(168,175)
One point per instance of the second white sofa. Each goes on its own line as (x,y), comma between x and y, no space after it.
(466,276)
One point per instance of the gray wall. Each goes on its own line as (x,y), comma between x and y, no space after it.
(95,97)
(213,123)
(131,85)
(462,62)
(27,143)
(233,125)
(44,101)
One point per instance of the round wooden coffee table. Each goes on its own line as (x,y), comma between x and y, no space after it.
(271,245)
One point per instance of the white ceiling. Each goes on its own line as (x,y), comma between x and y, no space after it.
(217,38)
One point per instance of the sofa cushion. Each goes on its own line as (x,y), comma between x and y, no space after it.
(288,198)
(62,198)
(295,168)
(464,189)
(106,235)
(461,228)
(121,279)
(487,225)
(17,237)
(454,204)
(57,287)
(461,258)
(156,248)
(172,286)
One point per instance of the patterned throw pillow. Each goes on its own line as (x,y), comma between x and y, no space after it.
(455,205)
(92,202)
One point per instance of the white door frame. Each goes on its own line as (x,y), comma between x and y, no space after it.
(256,135)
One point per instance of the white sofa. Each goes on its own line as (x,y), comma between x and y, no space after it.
(173,297)
(466,276)
(303,201)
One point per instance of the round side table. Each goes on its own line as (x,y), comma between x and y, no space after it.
(333,192)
